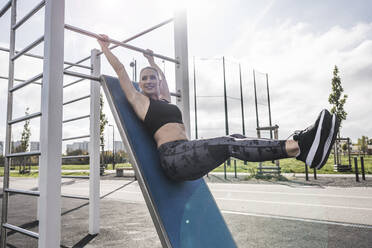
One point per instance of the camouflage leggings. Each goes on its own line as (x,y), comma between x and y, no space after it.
(189,160)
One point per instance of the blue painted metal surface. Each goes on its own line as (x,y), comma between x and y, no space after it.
(187,210)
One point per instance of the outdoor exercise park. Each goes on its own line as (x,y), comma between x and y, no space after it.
(144,136)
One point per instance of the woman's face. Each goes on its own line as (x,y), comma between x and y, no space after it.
(149,82)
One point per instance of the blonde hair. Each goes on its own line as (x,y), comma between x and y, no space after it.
(150,68)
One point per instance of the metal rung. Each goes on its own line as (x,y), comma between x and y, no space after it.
(32,45)
(31,80)
(23,154)
(23,192)
(75,156)
(26,117)
(5,8)
(18,80)
(21,230)
(175,94)
(268,128)
(76,177)
(41,57)
(31,13)
(76,118)
(269,168)
(77,137)
(81,75)
(75,197)
(75,82)
(77,99)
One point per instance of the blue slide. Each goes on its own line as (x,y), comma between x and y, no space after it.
(185,214)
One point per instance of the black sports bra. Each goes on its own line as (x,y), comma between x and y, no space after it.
(160,112)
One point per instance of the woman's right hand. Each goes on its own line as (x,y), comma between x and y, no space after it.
(103,41)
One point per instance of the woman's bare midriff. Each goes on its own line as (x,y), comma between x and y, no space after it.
(170,132)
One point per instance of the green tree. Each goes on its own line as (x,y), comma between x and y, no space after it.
(103,120)
(336,99)
(25,142)
(363,143)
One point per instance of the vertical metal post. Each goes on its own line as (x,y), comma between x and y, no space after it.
(356,169)
(362,167)
(315,177)
(349,152)
(51,126)
(195,102)
(94,156)
(255,101)
(242,101)
(268,104)
(306,173)
(225,97)
(236,176)
(4,216)
(182,69)
(225,103)
(241,97)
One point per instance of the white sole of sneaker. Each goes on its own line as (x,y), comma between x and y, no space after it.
(328,141)
(314,146)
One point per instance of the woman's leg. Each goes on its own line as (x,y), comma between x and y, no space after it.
(188,160)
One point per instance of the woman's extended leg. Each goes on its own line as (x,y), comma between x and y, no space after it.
(188,160)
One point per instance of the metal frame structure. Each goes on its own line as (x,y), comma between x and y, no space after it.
(272,128)
(49,203)
(338,166)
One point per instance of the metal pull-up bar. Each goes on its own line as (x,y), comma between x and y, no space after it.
(93,35)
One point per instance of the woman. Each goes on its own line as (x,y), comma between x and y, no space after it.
(183,159)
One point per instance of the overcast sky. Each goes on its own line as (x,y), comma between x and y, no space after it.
(297,43)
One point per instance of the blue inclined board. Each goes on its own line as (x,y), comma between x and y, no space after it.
(186,211)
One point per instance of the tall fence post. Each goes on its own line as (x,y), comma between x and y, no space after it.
(362,167)
(356,169)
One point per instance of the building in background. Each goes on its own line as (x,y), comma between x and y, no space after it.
(83,146)
(119,146)
(34,146)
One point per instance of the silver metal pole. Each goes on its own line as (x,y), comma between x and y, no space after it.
(93,35)
(51,126)
(182,69)
(4,216)
(94,161)
(127,40)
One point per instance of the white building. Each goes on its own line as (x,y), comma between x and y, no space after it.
(119,146)
(34,146)
(83,146)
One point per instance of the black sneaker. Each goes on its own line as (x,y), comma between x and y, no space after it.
(315,142)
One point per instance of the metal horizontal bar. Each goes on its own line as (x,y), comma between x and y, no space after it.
(21,230)
(5,8)
(76,156)
(41,57)
(93,35)
(26,117)
(269,168)
(175,94)
(76,177)
(127,40)
(268,172)
(75,82)
(18,80)
(81,75)
(23,192)
(31,13)
(77,137)
(23,154)
(75,197)
(76,118)
(77,99)
(28,48)
(268,128)
(31,80)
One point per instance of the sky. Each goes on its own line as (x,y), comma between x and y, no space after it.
(297,43)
